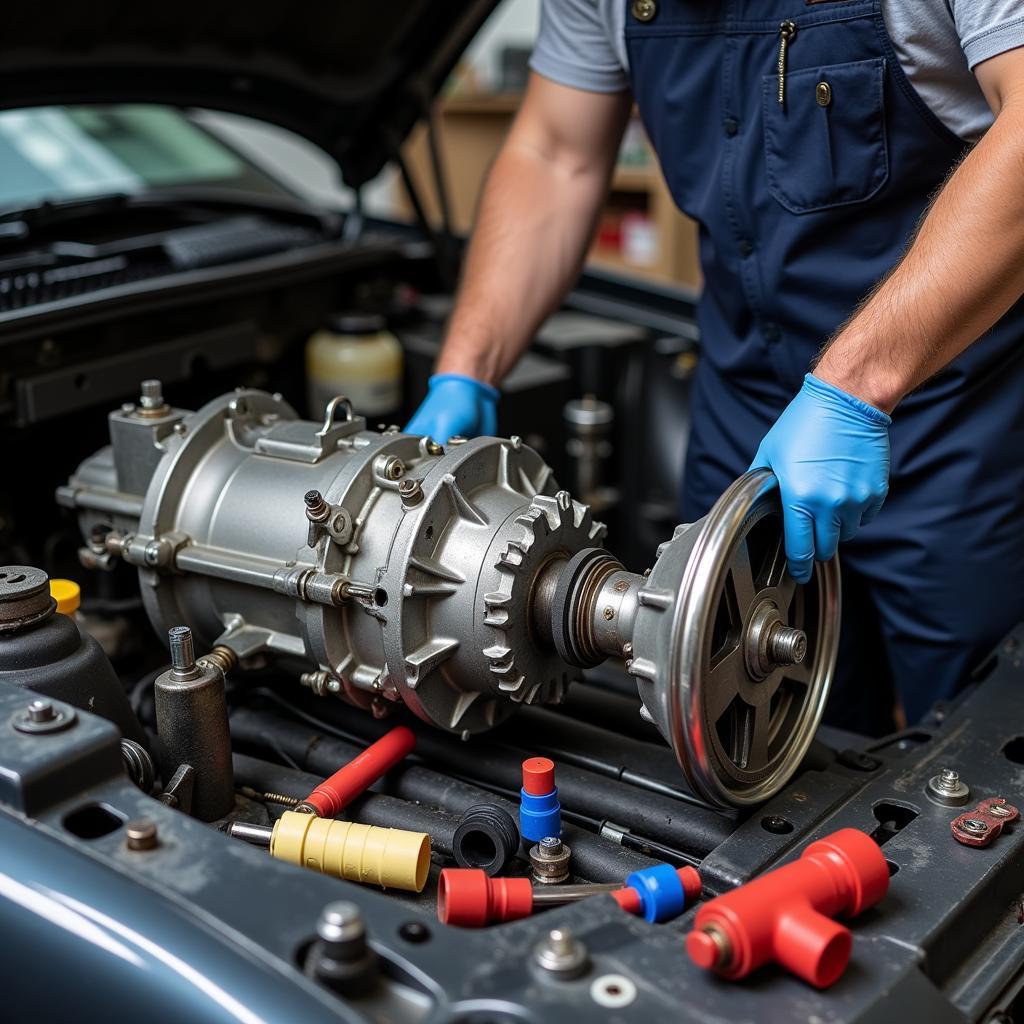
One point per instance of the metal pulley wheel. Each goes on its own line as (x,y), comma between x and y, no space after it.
(735,659)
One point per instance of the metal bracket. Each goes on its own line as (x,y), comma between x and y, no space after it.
(292,440)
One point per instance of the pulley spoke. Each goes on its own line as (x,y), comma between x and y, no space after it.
(775,575)
(723,682)
(800,673)
(760,735)
(742,578)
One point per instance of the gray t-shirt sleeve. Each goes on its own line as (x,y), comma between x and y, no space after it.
(575,47)
(988,28)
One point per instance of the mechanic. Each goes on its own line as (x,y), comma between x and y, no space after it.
(856,168)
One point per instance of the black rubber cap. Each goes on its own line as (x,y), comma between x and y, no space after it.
(487,838)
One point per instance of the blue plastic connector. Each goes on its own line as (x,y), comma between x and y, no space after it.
(539,816)
(661,892)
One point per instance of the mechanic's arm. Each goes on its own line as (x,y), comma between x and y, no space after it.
(535,222)
(964,270)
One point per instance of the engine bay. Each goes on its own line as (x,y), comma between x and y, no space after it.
(417,746)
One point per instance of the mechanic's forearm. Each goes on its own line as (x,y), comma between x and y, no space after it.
(534,225)
(964,270)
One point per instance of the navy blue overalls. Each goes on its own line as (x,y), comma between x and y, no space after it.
(803,205)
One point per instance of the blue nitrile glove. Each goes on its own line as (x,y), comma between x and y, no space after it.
(830,452)
(456,406)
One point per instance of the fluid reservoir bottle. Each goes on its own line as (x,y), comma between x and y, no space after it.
(356,356)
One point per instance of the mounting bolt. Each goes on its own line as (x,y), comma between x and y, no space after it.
(411,492)
(183,654)
(42,716)
(388,467)
(947,789)
(140,834)
(317,510)
(340,922)
(787,645)
(561,954)
(40,711)
(433,448)
(549,860)
(342,958)
(151,399)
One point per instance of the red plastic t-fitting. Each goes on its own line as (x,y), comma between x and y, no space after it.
(786,915)
(361,772)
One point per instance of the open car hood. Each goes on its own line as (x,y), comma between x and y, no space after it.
(352,77)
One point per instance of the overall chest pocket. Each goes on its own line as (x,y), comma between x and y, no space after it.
(826,145)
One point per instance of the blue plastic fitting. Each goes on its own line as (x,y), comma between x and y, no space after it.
(539,816)
(661,892)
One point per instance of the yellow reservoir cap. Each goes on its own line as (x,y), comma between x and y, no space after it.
(389,857)
(67,594)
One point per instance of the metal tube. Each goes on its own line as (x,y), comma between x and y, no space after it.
(303,582)
(554,895)
(258,835)
(117,503)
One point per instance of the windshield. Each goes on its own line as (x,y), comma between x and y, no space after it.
(67,152)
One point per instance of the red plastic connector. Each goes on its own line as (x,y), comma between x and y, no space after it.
(361,772)
(785,916)
(468,898)
(538,776)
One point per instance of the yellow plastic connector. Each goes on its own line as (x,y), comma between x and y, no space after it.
(389,857)
(67,594)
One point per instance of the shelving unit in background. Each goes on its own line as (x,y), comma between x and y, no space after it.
(641,232)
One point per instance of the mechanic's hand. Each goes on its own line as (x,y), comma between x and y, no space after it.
(456,406)
(830,452)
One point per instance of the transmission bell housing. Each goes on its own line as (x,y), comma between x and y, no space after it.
(458,580)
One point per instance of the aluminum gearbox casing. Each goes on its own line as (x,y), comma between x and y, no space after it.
(419,597)
(459,580)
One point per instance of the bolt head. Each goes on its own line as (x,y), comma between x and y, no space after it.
(340,921)
(140,834)
(551,844)
(41,711)
(562,954)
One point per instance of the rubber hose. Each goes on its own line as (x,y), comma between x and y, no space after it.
(695,830)
(595,858)
(369,809)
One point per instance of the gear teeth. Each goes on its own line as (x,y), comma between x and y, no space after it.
(497,605)
(512,687)
(548,516)
(514,555)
